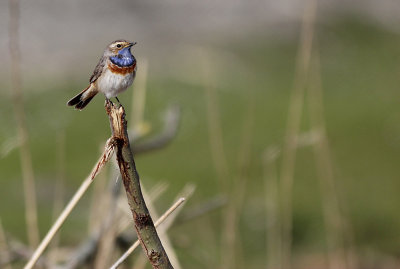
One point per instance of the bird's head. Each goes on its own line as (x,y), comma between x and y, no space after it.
(120,46)
(119,52)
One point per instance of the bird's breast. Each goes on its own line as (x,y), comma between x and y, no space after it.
(121,70)
(115,80)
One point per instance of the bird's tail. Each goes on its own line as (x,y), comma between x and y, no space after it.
(83,98)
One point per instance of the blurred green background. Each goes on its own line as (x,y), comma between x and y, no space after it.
(248,64)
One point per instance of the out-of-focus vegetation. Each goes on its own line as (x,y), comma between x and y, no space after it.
(360,70)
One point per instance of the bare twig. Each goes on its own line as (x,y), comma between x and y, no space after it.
(23,138)
(56,226)
(92,247)
(144,225)
(293,126)
(97,203)
(171,124)
(20,252)
(158,222)
(70,206)
(203,208)
(109,228)
(108,152)
(186,192)
(87,250)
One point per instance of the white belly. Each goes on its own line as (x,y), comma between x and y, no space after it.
(111,84)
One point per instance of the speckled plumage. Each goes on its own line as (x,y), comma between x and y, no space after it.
(113,74)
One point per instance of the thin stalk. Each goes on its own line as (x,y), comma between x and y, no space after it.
(333,217)
(109,227)
(22,130)
(59,222)
(139,96)
(59,188)
(70,206)
(4,247)
(214,126)
(231,241)
(273,250)
(293,127)
(98,203)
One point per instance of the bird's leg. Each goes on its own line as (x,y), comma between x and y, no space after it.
(108,101)
(118,101)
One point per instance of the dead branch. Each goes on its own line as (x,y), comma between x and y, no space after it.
(171,124)
(158,222)
(144,225)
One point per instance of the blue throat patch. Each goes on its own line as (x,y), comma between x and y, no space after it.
(124,58)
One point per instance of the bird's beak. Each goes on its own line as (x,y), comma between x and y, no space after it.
(132,44)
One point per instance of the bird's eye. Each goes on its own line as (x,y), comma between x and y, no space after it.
(119,45)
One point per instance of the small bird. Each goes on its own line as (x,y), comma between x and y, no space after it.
(113,74)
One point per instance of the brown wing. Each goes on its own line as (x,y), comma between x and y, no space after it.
(98,70)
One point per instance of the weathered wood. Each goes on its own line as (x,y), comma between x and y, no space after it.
(144,225)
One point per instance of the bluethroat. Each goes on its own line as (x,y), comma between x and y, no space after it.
(113,74)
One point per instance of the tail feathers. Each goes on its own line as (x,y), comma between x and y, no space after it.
(82,99)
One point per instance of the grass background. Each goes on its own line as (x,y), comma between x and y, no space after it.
(360,75)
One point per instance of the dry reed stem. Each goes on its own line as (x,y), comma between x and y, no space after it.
(219,159)
(122,220)
(273,232)
(22,130)
(139,96)
(67,210)
(157,223)
(214,125)
(158,190)
(56,226)
(58,191)
(109,228)
(8,145)
(293,126)
(4,247)
(231,241)
(333,218)
(203,208)
(96,212)
(105,248)
(186,192)
(111,218)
